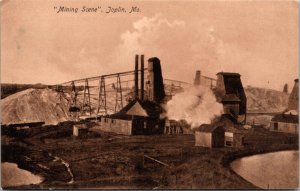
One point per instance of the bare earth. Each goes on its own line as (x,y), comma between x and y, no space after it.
(108,161)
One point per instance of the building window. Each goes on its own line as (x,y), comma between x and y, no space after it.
(242,140)
(275,126)
(228,143)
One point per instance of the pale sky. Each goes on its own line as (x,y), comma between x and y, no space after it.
(257,39)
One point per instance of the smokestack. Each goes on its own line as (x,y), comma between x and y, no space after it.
(136,77)
(142,77)
(197,78)
(294,97)
(156,89)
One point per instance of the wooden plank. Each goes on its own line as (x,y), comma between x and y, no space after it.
(156,160)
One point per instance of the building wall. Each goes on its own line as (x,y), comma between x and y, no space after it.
(75,131)
(236,139)
(118,126)
(79,130)
(284,127)
(228,139)
(154,126)
(203,139)
(218,137)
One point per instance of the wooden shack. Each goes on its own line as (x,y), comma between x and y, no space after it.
(80,130)
(209,136)
(286,123)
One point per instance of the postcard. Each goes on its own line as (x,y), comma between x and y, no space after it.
(149,94)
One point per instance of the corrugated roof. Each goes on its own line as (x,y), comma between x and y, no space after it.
(285,118)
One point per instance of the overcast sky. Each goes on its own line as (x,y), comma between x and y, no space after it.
(257,39)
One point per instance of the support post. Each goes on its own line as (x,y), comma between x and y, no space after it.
(101,108)
(86,103)
(119,99)
(73,95)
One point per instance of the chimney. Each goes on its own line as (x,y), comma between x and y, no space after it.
(294,97)
(197,78)
(156,91)
(136,77)
(142,77)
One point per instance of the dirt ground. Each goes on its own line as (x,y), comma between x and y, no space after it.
(108,161)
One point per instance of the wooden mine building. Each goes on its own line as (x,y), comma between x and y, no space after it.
(142,114)
(288,120)
(230,92)
(209,136)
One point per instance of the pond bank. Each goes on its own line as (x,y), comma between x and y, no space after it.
(273,170)
(12,175)
(248,152)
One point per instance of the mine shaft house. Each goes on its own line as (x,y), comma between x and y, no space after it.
(138,117)
(142,115)
(230,92)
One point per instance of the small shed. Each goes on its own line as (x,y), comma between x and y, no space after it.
(80,130)
(234,137)
(209,136)
(286,123)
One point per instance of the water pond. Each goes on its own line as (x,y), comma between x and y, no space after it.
(276,170)
(11,175)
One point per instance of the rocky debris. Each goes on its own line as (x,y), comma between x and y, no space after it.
(34,105)
(265,100)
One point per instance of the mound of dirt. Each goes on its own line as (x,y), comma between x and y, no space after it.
(265,100)
(33,105)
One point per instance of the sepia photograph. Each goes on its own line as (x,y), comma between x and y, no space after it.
(149,94)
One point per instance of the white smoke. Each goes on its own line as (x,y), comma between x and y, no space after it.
(177,43)
(197,105)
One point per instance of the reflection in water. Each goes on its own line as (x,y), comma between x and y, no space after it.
(277,170)
(11,175)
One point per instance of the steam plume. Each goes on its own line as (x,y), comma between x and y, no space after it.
(197,105)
